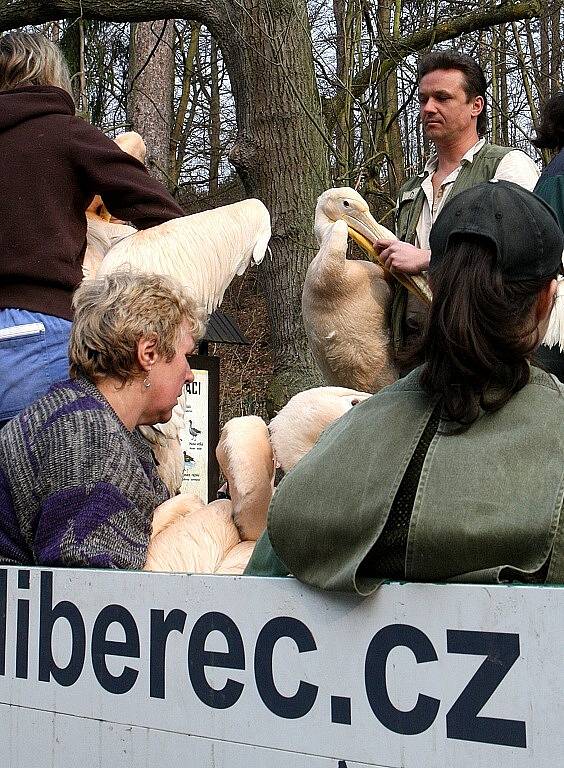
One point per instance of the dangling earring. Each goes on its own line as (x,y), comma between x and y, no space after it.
(146,382)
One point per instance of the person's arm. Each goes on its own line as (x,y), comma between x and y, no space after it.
(91,512)
(515,166)
(518,167)
(123,182)
(403,257)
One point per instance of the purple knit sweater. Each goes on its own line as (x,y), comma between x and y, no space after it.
(76,487)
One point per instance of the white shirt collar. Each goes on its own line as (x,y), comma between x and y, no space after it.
(468,156)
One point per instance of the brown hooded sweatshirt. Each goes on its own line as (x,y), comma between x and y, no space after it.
(52,163)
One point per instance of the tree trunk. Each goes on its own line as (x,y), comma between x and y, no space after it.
(495,108)
(214,127)
(504,106)
(183,121)
(556,48)
(544,70)
(281,157)
(72,45)
(390,139)
(346,13)
(152,85)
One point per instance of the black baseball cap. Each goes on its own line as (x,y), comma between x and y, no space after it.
(523,228)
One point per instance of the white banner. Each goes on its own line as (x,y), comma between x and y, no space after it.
(142,669)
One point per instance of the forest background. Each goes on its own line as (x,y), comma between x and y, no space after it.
(281,99)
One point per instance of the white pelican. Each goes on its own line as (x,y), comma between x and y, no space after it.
(346,303)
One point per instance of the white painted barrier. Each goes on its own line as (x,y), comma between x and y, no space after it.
(102,668)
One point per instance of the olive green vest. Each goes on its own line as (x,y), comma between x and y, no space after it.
(487,506)
(410,205)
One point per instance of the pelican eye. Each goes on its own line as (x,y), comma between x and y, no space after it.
(346,203)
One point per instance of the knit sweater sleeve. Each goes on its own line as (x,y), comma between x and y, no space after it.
(123,182)
(96,504)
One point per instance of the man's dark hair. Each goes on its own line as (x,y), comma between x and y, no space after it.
(480,332)
(474,78)
(550,134)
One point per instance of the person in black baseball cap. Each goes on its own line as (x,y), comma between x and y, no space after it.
(495,252)
(456,470)
(522,228)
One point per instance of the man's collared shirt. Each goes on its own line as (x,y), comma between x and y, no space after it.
(516,166)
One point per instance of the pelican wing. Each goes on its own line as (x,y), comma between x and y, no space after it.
(555,331)
(203,251)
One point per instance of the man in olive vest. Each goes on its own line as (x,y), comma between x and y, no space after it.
(452,98)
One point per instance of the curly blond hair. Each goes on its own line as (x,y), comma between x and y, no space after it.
(31,59)
(113,313)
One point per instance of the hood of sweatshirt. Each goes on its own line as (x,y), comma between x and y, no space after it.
(22,104)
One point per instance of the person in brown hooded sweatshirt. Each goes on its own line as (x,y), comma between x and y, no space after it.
(52,163)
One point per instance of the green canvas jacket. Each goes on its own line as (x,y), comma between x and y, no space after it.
(488,505)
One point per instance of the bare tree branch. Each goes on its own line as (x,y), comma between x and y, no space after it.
(447,30)
(19,13)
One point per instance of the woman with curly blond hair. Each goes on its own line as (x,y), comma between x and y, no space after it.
(78,483)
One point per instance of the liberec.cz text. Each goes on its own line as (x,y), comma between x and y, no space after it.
(462,720)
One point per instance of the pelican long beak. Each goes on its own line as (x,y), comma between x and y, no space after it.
(364,229)
(363,223)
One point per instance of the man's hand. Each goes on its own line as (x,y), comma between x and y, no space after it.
(403,257)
